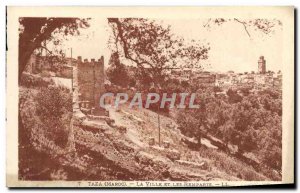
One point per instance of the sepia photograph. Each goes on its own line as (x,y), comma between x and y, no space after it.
(106,99)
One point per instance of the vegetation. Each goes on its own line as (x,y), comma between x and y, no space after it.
(250,124)
(153,48)
(117,72)
(54,107)
(34,31)
(44,123)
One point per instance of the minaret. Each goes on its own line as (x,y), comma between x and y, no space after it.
(261,65)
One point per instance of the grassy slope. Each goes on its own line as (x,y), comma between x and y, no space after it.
(142,124)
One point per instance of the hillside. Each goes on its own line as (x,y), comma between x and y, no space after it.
(117,148)
(207,163)
(129,147)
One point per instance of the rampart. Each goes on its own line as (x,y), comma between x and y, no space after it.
(88,85)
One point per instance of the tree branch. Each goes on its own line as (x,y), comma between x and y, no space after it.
(125,46)
(45,49)
(244,24)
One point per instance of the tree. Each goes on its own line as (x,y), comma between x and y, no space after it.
(262,26)
(252,124)
(227,130)
(153,48)
(245,90)
(117,72)
(233,96)
(34,31)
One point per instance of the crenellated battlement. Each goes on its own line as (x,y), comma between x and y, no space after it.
(89,83)
(92,62)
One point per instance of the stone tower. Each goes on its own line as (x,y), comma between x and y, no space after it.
(261,65)
(90,84)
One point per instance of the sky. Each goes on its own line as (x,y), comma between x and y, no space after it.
(231,47)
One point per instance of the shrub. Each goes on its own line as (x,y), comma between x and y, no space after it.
(45,73)
(33,81)
(43,133)
(54,108)
(231,165)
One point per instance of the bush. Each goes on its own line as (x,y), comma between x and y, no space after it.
(230,165)
(117,72)
(44,119)
(45,73)
(33,81)
(54,108)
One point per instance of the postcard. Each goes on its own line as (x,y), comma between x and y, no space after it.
(150,97)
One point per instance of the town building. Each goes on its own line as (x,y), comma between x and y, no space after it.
(204,78)
(61,67)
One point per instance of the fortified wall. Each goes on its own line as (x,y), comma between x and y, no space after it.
(97,139)
(88,85)
(92,131)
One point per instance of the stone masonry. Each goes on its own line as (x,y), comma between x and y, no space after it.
(88,85)
(261,65)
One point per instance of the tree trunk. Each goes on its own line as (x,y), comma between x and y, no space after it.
(24,56)
(199,139)
(22,65)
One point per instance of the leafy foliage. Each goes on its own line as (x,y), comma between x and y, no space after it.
(54,107)
(153,48)
(250,124)
(43,130)
(261,26)
(33,31)
(117,72)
